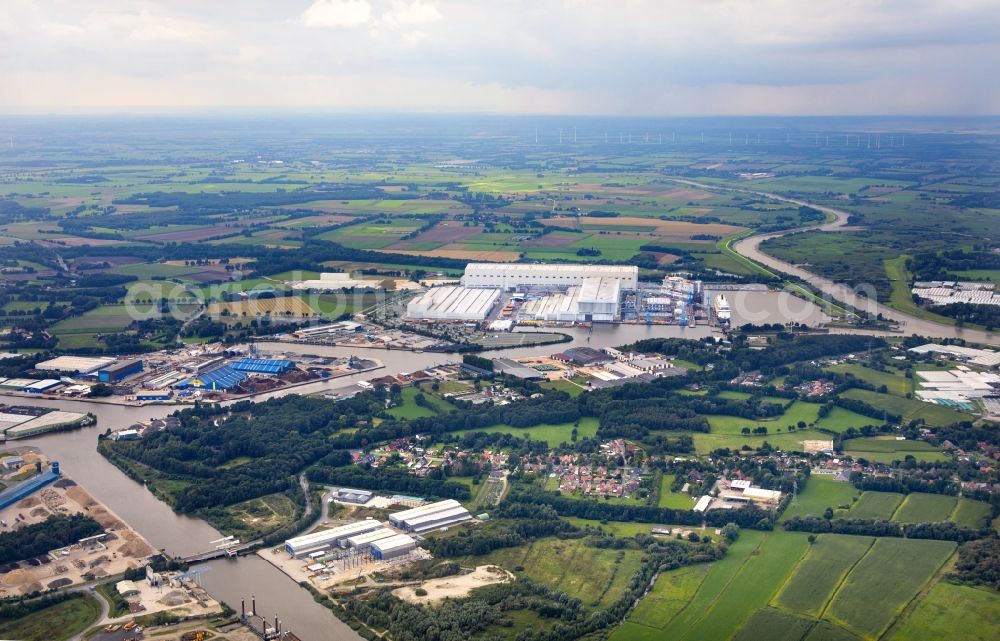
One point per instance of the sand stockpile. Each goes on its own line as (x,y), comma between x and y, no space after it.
(136,549)
(38,512)
(31,501)
(456,586)
(17,577)
(79,495)
(34,587)
(107,521)
(174,598)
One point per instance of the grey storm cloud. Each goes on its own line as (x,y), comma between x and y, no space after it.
(641,57)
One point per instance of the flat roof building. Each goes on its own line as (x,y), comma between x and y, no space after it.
(303,545)
(453,303)
(119,370)
(362,541)
(512,275)
(399,518)
(74,364)
(431,517)
(393,547)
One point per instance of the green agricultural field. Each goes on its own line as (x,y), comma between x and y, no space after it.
(840,420)
(885,581)
(876,505)
(676,500)
(409,409)
(896,383)
(552,434)
(563,385)
(569,566)
(952,612)
(980,274)
(733,425)
(826,631)
(819,493)
(146,271)
(373,235)
(671,592)
(719,577)
(784,440)
(971,514)
(774,625)
(925,508)
(909,409)
(55,623)
(887,449)
(821,572)
(758,579)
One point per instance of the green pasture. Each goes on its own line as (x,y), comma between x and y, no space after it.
(553,434)
(819,493)
(876,505)
(910,409)
(952,612)
(925,508)
(887,449)
(878,588)
(821,572)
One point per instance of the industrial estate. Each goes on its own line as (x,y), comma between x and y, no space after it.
(441,381)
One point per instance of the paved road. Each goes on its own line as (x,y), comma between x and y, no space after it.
(749,247)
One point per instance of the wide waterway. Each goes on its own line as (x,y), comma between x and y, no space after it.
(749,247)
(180,535)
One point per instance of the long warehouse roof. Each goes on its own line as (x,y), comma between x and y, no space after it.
(394,542)
(360,527)
(434,516)
(425,509)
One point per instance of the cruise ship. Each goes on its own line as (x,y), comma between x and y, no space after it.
(721,306)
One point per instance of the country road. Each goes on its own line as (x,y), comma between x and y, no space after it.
(749,247)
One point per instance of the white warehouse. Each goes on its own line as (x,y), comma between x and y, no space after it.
(430,517)
(315,541)
(510,276)
(453,303)
(595,299)
(393,547)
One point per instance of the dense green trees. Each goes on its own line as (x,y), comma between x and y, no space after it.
(979,563)
(54,532)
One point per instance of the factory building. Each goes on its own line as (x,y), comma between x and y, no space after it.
(306,544)
(74,364)
(364,541)
(349,495)
(512,276)
(221,379)
(393,547)
(430,517)
(453,303)
(119,370)
(263,365)
(12,495)
(335,281)
(594,300)
(41,387)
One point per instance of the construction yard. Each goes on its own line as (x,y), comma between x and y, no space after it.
(121,548)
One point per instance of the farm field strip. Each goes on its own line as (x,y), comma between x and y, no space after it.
(884,581)
(820,574)
(876,505)
(752,587)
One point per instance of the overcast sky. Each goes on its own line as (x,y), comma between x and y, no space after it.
(622,57)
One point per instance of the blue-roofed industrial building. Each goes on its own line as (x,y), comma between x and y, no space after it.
(119,370)
(263,365)
(13,495)
(221,378)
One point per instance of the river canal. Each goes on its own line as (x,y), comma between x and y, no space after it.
(180,535)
